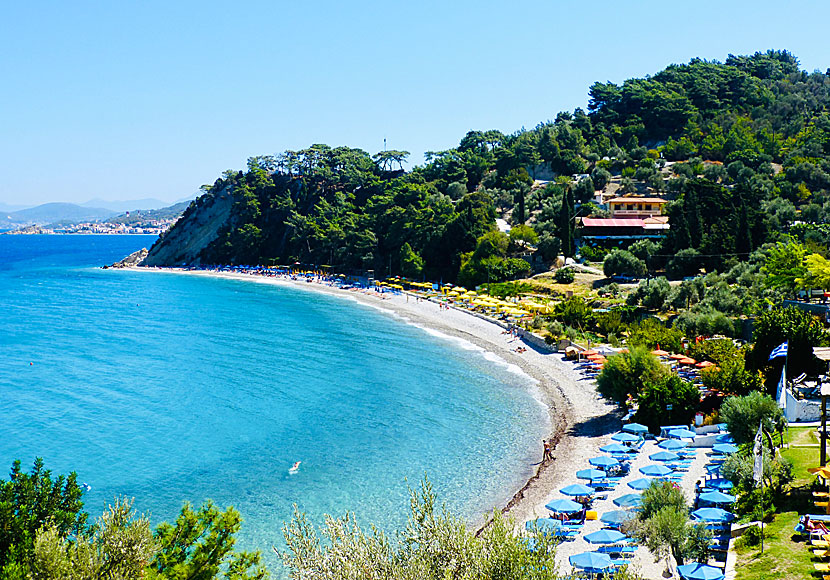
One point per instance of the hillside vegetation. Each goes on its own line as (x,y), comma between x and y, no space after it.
(741,148)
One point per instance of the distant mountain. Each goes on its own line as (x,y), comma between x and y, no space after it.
(138,216)
(5,207)
(49,213)
(120,206)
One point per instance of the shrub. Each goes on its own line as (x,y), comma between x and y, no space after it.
(750,537)
(685,263)
(705,322)
(651,333)
(626,374)
(565,275)
(574,311)
(653,294)
(743,414)
(593,253)
(623,263)
(669,400)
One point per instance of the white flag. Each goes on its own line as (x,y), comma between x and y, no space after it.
(758,451)
(782,389)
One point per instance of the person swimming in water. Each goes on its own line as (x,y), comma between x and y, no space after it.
(295,468)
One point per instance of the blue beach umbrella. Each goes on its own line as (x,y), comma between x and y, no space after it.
(712,468)
(625,437)
(711,514)
(640,484)
(697,571)
(655,470)
(605,537)
(543,525)
(590,474)
(682,434)
(724,448)
(672,444)
(615,448)
(725,438)
(591,560)
(578,490)
(664,456)
(603,461)
(628,500)
(717,497)
(615,517)
(720,484)
(564,506)
(635,428)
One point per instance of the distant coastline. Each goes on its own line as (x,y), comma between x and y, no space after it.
(577,417)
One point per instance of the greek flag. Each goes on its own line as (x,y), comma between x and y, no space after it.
(780,350)
(758,452)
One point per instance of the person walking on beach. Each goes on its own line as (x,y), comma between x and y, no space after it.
(547,452)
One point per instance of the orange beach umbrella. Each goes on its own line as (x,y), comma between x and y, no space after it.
(687,361)
(677,356)
(704,364)
(659,352)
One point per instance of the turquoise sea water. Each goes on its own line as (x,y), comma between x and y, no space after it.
(168,387)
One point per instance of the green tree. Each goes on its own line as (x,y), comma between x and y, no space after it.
(574,312)
(801,330)
(435,544)
(200,546)
(627,373)
(523,235)
(566,225)
(731,377)
(685,263)
(622,263)
(412,265)
(120,547)
(29,501)
(653,294)
(663,525)
(669,400)
(652,333)
(785,266)
(742,416)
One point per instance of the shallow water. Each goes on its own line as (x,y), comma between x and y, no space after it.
(168,387)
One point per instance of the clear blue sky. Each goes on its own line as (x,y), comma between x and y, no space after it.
(125,100)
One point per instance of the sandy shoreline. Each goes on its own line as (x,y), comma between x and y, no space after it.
(580,421)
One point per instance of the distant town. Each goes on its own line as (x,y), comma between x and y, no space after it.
(150,227)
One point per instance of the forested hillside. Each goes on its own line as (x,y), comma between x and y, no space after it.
(741,148)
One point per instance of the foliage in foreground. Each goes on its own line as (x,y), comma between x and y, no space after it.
(664,527)
(434,545)
(44,536)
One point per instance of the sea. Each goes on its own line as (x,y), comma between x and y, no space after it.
(170,388)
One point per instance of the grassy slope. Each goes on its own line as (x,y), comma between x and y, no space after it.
(784,556)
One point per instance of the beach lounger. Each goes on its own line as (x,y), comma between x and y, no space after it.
(822,567)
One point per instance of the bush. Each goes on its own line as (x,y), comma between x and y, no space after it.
(565,275)
(653,294)
(592,253)
(574,312)
(750,537)
(667,401)
(705,322)
(743,414)
(623,263)
(685,263)
(651,333)
(627,373)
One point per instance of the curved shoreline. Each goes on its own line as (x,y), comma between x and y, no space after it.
(578,418)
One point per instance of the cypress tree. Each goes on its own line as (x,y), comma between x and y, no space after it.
(566,226)
(743,244)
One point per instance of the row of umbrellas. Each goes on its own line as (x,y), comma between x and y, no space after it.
(595,562)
